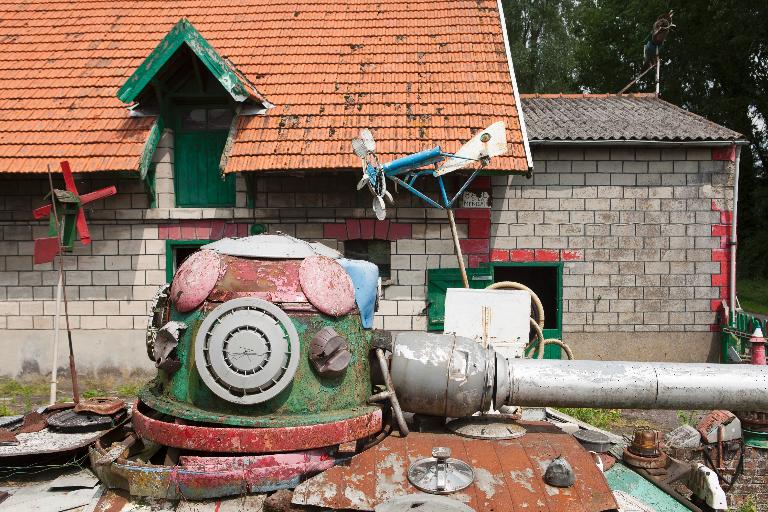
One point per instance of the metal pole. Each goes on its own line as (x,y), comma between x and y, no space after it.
(658,70)
(634,385)
(734,237)
(55,364)
(456,244)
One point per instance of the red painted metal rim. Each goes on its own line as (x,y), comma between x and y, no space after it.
(255,440)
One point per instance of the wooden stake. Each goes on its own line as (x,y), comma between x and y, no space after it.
(456,244)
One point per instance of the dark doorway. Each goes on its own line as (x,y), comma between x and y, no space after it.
(545,281)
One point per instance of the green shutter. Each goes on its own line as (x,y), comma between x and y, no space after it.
(438,282)
(197,179)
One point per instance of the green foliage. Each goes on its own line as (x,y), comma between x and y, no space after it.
(23,393)
(600,418)
(748,506)
(753,294)
(128,390)
(687,418)
(541,44)
(93,392)
(5,410)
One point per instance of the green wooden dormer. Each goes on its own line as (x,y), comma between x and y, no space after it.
(197,94)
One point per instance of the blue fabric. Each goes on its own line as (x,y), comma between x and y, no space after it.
(365,278)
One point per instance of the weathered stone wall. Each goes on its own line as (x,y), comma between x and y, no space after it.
(642,232)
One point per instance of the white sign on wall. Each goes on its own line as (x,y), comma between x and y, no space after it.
(474,200)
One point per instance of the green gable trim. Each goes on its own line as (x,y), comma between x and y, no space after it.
(148,152)
(184,33)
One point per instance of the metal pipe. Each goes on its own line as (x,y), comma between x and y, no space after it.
(732,287)
(634,385)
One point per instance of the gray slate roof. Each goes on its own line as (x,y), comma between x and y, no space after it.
(602,117)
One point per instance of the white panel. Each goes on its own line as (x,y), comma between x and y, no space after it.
(509,317)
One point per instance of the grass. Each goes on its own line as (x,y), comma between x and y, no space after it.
(688,418)
(605,419)
(748,506)
(753,295)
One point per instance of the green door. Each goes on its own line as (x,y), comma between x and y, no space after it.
(200,136)
(438,282)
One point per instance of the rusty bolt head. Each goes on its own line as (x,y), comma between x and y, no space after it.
(329,353)
(645,443)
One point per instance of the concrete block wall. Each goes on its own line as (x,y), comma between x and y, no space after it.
(644,231)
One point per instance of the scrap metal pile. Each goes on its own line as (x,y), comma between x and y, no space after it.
(269,377)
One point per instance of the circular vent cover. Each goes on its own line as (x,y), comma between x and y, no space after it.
(247,350)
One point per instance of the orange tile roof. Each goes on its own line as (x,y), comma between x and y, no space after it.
(418,73)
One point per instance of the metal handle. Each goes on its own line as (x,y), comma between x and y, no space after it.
(390,394)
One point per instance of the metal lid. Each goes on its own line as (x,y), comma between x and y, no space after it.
(280,246)
(440,474)
(489,426)
(592,440)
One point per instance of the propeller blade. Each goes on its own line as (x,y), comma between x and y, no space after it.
(358,146)
(379,208)
(388,197)
(362,183)
(367,137)
(488,143)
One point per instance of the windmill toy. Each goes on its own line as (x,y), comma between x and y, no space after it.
(431,163)
(66,218)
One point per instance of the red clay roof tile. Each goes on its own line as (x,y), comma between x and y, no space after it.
(418,73)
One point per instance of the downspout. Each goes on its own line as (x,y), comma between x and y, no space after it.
(732,287)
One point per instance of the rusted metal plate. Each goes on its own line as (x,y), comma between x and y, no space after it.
(195,279)
(256,440)
(327,285)
(508,474)
(272,280)
(541,455)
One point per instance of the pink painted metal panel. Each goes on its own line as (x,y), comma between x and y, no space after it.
(327,285)
(195,279)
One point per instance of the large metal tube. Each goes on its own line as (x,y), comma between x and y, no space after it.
(445,375)
(635,385)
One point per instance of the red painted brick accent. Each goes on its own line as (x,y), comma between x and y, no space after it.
(217,230)
(188,232)
(481,183)
(337,231)
(476,259)
(399,231)
(366,228)
(571,255)
(479,228)
(521,255)
(230,230)
(720,230)
(499,255)
(547,255)
(472,213)
(721,254)
(381,230)
(475,246)
(727,154)
(162,232)
(720,280)
(353,229)
(242,230)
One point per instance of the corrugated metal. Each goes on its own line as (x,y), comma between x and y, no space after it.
(598,117)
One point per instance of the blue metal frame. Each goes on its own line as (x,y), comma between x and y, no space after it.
(409,165)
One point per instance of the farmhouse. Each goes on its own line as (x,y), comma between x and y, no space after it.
(230,122)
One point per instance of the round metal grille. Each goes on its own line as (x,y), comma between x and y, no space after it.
(247,350)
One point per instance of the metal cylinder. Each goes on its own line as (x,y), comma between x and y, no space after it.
(442,375)
(633,385)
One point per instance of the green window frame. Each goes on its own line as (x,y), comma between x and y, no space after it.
(171,247)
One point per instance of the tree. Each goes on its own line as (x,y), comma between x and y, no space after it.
(542,47)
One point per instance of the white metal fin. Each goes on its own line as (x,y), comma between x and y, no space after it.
(367,137)
(379,208)
(363,182)
(488,143)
